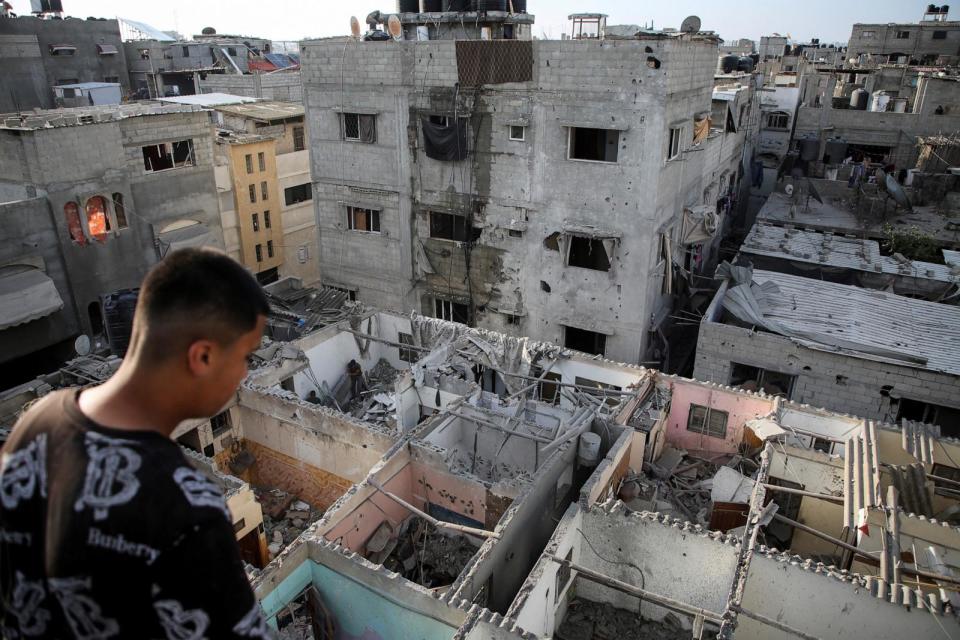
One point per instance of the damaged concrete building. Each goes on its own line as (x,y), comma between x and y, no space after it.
(533,187)
(419,478)
(91,198)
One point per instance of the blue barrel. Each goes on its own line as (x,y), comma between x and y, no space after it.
(118,308)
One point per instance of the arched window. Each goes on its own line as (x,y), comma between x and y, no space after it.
(120,211)
(72,213)
(98,223)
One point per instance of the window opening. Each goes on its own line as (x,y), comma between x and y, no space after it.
(252,192)
(584,340)
(359,127)
(98,224)
(299,143)
(518,132)
(447,226)
(407,355)
(256,222)
(71,212)
(119,211)
(452,311)
(262,161)
(364,220)
(752,378)
(298,193)
(249,160)
(269,248)
(588,253)
(676,136)
(596,145)
(263,191)
(266,219)
(707,421)
(259,251)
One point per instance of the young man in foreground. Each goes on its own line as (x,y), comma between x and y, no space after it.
(106,530)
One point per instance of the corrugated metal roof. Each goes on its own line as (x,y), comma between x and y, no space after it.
(858,322)
(839,251)
(265,110)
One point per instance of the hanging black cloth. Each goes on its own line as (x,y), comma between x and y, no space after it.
(445,142)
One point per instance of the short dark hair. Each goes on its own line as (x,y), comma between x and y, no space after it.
(193,294)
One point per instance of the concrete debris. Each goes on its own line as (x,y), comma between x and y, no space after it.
(423,554)
(729,486)
(284,517)
(588,620)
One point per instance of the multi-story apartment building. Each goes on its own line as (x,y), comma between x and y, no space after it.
(37,54)
(92,198)
(932,41)
(533,187)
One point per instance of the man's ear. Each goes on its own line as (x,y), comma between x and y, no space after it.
(200,355)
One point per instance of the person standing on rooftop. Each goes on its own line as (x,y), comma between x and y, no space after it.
(106,529)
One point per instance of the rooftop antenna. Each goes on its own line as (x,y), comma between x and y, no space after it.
(691,24)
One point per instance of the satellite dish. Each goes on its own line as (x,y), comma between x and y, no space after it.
(691,24)
(897,193)
(354,27)
(812,191)
(393,27)
(788,189)
(82,345)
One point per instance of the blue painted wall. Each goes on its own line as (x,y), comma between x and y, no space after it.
(360,612)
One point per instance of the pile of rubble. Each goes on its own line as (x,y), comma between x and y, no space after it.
(689,487)
(284,517)
(420,552)
(587,620)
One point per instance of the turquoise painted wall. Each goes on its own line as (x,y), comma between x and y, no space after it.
(360,612)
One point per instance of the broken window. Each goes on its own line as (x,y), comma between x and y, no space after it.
(450,310)
(256,222)
(263,191)
(918,411)
(778,120)
(867,34)
(596,145)
(552,242)
(298,193)
(709,422)
(949,473)
(676,137)
(822,444)
(62,50)
(71,212)
(515,233)
(585,341)
(98,224)
(249,161)
(299,143)
(407,355)
(262,161)
(518,132)
(359,127)
(252,192)
(266,219)
(167,155)
(259,251)
(903,35)
(939,35)
(447,226)
(119,211)
(752,378)
(351,293)
(588,253)
(549,387)
(269,248)
(220,423)
(365,220)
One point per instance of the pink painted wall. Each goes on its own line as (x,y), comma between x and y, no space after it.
(739,406)
(415,483)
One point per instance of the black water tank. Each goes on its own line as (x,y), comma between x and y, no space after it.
(408,6)
(729,63)
(809,148)
(118,310)
(519,6)
(745,64)
(433,6)
(457,5)
(491,5)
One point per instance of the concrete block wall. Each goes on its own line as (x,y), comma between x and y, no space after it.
(834,381)
(594,84)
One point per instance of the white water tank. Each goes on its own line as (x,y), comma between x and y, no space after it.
(898,105)
(588,451)
(423,32)
(880,101)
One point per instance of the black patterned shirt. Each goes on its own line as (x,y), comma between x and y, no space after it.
(107,533)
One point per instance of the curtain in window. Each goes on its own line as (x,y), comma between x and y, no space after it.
(368,128)
(97,222)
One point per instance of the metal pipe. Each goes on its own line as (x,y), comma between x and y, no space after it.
(497,427)
(893,520)
(801,492)
(411,347)
(770,622)
(483,533)
(848,485)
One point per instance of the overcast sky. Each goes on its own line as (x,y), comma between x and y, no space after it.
(829,20)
